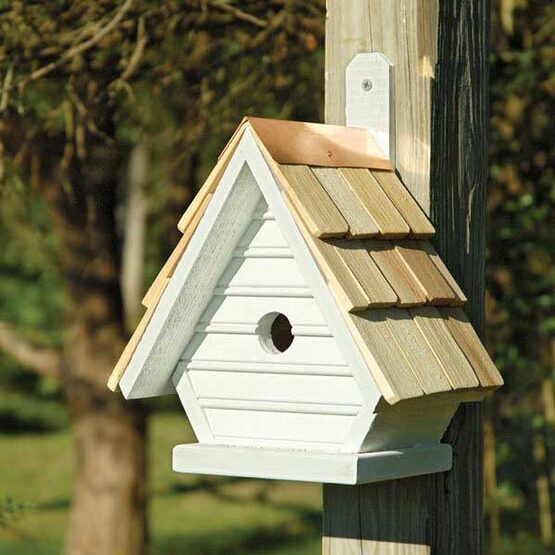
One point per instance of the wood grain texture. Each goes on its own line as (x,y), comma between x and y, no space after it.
(299,142)
(420,357)
(319,212)
(125,357)
(472,347)
(448,152)
(346,287)
(387,518)
(420,225)
(366,272)
(361,223)
(379,345)
(404,30)
(341,282)
(397,273)
(425,272)
(156,289)
(460,297)
(459,174)
(390,223)
(458,370)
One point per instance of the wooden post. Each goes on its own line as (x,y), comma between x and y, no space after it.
(439,50)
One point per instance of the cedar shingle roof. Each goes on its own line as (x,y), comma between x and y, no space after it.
(370,239)
(386,262)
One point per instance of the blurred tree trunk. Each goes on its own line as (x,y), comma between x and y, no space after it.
(541,456)
(490,481)
(133,255)
(548,398)
(108,512)
(542,487)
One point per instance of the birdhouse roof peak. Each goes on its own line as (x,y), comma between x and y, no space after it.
(317,144)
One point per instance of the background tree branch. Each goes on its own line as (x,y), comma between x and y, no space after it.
(75,50)
(42,360)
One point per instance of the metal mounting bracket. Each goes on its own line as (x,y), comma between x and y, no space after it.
(369,98)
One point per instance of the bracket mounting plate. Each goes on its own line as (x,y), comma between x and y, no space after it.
(369,98)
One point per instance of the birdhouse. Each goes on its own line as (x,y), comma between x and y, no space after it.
(304,319)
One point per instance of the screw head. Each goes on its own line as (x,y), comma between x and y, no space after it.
(366,85)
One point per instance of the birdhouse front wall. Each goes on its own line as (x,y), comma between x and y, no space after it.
(263,368)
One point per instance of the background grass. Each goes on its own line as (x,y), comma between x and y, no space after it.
(190,515)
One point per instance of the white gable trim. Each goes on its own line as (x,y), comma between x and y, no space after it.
(191,286)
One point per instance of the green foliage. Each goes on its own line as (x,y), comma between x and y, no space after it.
(29,276)
(31,296)
(9,511)
(20,413)
(521,262)
(521,255)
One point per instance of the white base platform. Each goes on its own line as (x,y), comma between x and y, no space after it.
(341,468)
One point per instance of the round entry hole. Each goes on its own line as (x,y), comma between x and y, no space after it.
(275,332)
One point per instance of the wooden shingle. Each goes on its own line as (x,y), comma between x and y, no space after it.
(391,370)
(310,199)
(422,360)
(341,280)
(460,297)
(470,344)
(388,219)
(353,295)
(361,223)
(397,274)
(366,272)
(420,225)
(458,370)
(425,272)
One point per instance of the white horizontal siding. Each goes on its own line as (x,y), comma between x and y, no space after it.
(266,368)
(263,272)
(279,406)
(241,328)
(262,252)
(247,348)
(263,234)
(293,292)
(275,387)
(284,426)
(304,397)
(301,311)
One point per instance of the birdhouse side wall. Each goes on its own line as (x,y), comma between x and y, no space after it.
(414,422)
(248,392)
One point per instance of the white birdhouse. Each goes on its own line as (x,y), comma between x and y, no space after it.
(308,326)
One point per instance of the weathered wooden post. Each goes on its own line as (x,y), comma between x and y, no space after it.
(439,53)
